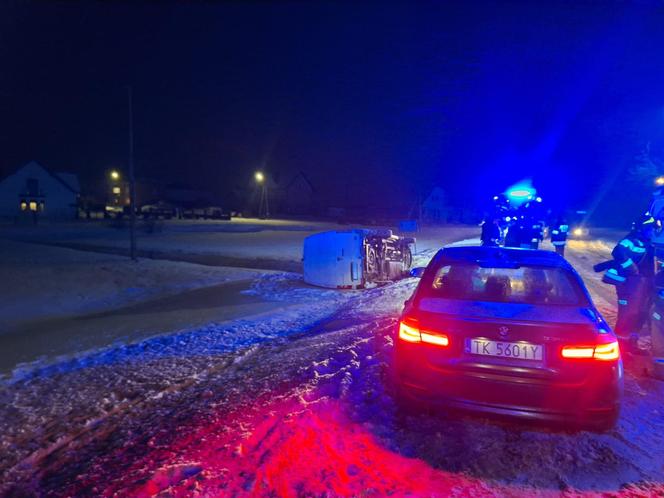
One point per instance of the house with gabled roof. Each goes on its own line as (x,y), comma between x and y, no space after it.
(33,190)
(433,207)
(299,195)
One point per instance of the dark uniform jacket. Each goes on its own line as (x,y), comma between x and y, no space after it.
(559,234)
(633,256)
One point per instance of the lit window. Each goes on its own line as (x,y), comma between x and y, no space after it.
(116,190)
(33,206)
(24,205)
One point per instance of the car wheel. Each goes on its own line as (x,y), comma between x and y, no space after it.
(409,405)
(605,424)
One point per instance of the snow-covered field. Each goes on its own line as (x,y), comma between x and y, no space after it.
(297,402)
(40,282)
(56,302)
(241,241)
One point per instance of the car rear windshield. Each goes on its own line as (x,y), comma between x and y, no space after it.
(528,285)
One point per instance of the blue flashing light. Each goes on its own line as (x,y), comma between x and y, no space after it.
(521,193)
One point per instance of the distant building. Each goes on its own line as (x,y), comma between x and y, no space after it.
(35,191)
(299,195)
(433,207)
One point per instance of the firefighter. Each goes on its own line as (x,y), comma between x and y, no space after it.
(513,233)
(533,225)
(657,329)
(529,232)
(491,233)
(559,235)
(633,274)
(536,229)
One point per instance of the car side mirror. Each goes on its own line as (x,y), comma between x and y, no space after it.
(417,272)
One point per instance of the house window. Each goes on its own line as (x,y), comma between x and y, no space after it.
(33,205)
(24,205)
(116,190)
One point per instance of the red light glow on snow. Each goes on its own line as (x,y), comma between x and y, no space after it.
(289,449)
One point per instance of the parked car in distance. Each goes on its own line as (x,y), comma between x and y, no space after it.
(158,210)
(205,213)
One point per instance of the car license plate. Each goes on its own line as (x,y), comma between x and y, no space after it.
(515,350)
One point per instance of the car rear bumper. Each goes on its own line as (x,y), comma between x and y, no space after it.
(593,401)
(590,417)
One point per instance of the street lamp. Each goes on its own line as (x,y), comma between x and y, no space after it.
(659,181)
(263,205)
(115,187)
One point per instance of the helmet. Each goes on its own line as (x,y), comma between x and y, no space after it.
(646,222)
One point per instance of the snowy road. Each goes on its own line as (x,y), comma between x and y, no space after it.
(303,408)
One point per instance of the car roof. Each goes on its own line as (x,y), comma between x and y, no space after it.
(503,255)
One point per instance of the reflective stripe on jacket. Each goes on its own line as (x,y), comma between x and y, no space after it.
(559,234)
(629,253)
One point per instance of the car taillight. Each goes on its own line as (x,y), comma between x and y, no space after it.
(605,352)
(409,332)
(610,351)
(578,352)
(437,339)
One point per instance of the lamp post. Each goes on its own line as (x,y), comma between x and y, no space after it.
(132,185)
(115,188)
(263,205)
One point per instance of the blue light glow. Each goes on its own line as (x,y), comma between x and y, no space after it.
(520,193)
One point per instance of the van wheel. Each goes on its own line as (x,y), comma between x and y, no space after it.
(407,258)
(372,263)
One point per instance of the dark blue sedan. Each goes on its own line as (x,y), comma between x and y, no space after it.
(509,332)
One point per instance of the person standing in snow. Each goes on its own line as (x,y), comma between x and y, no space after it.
(632,274)
(491,233)
(559,235)
(657,328)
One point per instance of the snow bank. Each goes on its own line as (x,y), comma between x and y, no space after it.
(44,282)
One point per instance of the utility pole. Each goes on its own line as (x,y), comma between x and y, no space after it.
(267,202)
(132,184)
(263,203)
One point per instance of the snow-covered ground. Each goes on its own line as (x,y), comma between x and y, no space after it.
(40,282)
(243,242)
(296,402)
(56,302)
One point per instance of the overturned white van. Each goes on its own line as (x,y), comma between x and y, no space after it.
(350,259)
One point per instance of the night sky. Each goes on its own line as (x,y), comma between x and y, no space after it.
(367,99)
